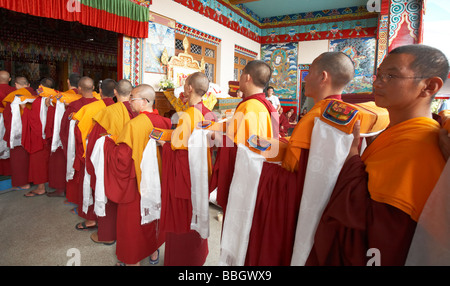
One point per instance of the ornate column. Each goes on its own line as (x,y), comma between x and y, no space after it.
(405,22)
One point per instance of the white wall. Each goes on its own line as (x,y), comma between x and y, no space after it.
(308,51)
(225,50)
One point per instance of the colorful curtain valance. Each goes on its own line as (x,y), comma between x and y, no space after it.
(120,16)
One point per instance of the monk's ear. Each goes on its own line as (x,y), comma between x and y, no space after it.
(325,76)
(432,86)
(247,77)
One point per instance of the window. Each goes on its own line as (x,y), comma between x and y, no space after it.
(240,61)
(198,50)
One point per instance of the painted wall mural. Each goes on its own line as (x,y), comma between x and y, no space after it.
(352,22)
(362,52)
(282,58)
(160,38)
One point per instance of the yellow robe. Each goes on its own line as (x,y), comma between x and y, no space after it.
(250,118)
(84,117)
(404,163)
(135,134)
(186,125)
(113,118)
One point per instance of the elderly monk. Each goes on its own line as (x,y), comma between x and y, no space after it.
(373,211)
(123,158)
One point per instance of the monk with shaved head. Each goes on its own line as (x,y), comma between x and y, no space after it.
(109,120)
(5,89)
(136,239)
(184,246)
(85,88)
(20,99)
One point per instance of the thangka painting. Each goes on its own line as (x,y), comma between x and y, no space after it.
(282,58)
(362,52)
(160,37)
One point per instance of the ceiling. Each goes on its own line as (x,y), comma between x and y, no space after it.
(271,8)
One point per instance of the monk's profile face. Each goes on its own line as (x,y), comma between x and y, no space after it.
(396,86)
(312,80)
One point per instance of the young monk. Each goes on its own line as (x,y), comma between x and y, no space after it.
(327,77)
(379,196)
(19,157)
(278,192)
(109,120)
(86,89)
(183,246)
(83,127)
(255,115)
(123,177)
(34,141)
(57,160)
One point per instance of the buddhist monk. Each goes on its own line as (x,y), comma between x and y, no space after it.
(86,88)
(279,190)
(5,89)
(35,142)
(123,158)
(57,159)
(109,120)
(328,75)
(373,211)
(19,157)
(84,125)
(255,115)
(184,246)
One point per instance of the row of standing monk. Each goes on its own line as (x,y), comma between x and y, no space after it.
(271,215)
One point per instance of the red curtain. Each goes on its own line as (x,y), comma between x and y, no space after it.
(86,15)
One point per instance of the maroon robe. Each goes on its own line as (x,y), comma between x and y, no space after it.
(106,226)
(134,241)
(352,223)
(19,157)
(184,247)
(274,224)
(284,125)
(72,108)
(34,144)
(79,166)
(57,160)
(5,167)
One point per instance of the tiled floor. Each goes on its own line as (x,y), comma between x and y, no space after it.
(41,231)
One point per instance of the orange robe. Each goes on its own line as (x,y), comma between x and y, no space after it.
(122,182)
(301,136)
(184,247)
(252,117)
(379,196)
